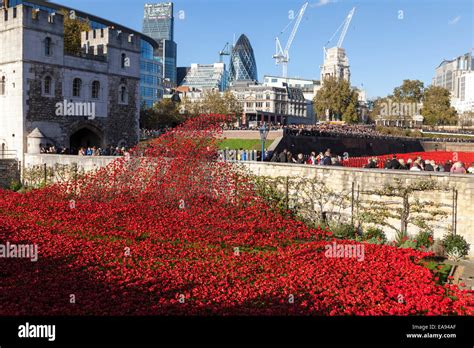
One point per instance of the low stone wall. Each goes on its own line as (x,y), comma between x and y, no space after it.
(9,172)
(86,163)
(340,178)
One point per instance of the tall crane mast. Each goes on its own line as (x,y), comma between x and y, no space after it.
(226,51)
(345,27)
(282,56)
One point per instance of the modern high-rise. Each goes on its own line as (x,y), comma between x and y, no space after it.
(158,23)
(182,71)
(457,76)
(206,76)
(243,66)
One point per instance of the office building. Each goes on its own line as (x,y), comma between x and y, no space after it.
(207,76)
(457,76)
(243,66)
(158,23)
(276,105)
(306,86)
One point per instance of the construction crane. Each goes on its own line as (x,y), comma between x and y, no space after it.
(282,56)
(345,27)
(226,51)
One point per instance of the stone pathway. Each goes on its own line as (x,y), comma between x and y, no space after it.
(464,274)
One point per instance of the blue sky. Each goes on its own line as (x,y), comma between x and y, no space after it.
(387,41)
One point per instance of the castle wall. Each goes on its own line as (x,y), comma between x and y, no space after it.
(340,179)
(25,63)
(11,103)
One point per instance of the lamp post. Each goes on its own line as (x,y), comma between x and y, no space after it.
(263,137)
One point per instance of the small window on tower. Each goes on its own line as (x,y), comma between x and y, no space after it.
(95,89)
(48,46)
(47,85)
(76,87)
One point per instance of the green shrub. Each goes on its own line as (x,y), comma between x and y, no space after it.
(424,240)
(375,236)
(345,231)
(455,246)
(15,185)
(409,243)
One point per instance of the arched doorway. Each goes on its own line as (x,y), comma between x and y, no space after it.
(85,137)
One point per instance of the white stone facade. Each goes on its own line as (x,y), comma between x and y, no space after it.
(38,75)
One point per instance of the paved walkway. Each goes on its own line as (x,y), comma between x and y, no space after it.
(465,274)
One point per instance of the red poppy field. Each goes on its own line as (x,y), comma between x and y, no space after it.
(171,231)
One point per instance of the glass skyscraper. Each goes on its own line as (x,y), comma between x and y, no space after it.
(207,76)
(151,76)
(242,61)
(158,23)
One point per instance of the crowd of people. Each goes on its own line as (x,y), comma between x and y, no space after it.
(98,151)
(51,149)
(329,130)
(419,164)
(325,158)
(84,151)
(358,131)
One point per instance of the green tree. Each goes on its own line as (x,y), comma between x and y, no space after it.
(212,102)
(379,106)
(401,201)
(190,108)
(411,91)
(73,27)
(350,113)
(338,98)
(162,114)
(437,109)
(232,104)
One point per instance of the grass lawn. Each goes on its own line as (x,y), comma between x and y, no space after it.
(429,135)
(245,144)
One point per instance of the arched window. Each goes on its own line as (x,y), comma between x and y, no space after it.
(48,85)
(95,89)
(76,87)
(123,95)
(48,46)
(123,60)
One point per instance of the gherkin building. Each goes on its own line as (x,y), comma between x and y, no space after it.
(242,61)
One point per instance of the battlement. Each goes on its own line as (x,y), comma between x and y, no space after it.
(97,41)
(27,16)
